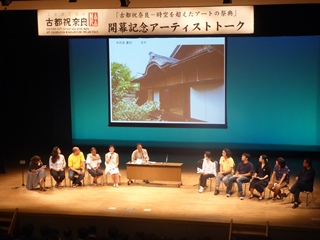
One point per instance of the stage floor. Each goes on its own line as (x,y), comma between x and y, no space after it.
(158,200)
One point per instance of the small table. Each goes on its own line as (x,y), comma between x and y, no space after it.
(154,171)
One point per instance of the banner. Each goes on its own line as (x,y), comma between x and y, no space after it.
(146,21)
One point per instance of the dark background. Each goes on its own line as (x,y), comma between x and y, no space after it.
(35,87)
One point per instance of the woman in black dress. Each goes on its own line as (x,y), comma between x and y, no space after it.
(261,177)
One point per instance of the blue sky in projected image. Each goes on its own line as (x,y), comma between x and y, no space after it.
(134,52)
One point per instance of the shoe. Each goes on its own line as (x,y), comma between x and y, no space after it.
(260,198)
(56,185)
(200,189)
(228,193)
(283,195)
(216,192)
(114,185)
(43,189)
(295,205)
(241,197)
(80,184)
(146,181)
(95,183)
(117,185)
(251,196)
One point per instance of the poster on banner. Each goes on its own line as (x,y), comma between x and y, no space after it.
(146,21)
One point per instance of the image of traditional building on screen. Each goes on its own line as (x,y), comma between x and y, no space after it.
(189,84)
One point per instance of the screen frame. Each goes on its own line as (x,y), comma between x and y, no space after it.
(169,124)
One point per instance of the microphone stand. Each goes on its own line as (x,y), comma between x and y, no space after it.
(22,163)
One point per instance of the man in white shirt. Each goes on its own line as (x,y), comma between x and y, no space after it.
(209,170)
(140,155)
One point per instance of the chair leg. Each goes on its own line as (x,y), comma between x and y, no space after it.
(307,201)
(106,179)
(51,181)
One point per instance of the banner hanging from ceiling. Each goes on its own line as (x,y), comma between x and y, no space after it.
(146,21)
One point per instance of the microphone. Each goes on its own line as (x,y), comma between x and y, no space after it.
(200,160)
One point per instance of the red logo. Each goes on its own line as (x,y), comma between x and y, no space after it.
(93,19)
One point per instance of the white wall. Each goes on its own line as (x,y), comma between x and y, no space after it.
(207,103)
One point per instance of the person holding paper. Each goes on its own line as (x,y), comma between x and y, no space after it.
(93,165)
(261,177)
(36,174)
(139,156)
(112,165)
(209,170)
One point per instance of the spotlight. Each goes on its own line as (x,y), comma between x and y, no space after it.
(5,2)
(124,3)
(227,1)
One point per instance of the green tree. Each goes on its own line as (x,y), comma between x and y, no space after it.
(127,109)
(121,81)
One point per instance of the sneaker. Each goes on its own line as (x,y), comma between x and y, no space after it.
(228,193)
(200,189)
(80,184)
(114,185)
(216,192)
(117,185)
(241,197)
(74,185)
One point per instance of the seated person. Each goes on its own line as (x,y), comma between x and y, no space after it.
(57,164)
(226,169)
(279,177)
(304,181)
(93,164)
(209,170)
(140,155)
(77,166)
(243,175)
(261,177)
(36,174)
(112,163)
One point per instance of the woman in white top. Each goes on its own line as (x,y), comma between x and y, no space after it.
(93,165)
(57,164)
(112,163)
(209,170)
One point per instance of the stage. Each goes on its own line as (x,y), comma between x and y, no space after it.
(158,203)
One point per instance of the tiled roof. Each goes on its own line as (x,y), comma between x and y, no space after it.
(161,60)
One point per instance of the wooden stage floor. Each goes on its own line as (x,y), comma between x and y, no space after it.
(158,200)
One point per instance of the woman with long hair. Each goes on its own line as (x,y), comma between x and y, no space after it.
(57,165)
(261,177)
